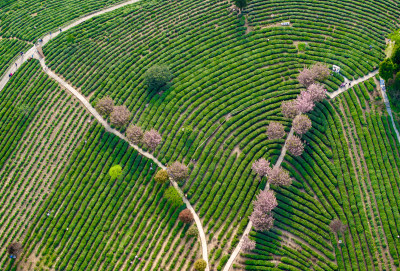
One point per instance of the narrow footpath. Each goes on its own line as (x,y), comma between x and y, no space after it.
(103,122)
(354,82)
(32,52)
(249,225)
(20,60)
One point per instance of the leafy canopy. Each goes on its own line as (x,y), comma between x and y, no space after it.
(115,171)
(157,76)
(173,197)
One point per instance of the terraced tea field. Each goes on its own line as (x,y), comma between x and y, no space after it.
(40,127)
(230,76)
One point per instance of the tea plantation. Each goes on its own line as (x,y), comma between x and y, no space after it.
(231,74)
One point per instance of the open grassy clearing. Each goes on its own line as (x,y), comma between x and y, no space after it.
(40,125)
(228,85)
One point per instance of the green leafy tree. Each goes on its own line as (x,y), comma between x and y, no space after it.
(115,171)
(173,197)
(386,69)
(396,58)
(241,4)
(200,265)
(157,76)
(161,176)
(193,231)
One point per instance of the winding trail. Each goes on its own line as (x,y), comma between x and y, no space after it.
(250,224)
(49,36)
(354,82)
(32,52)
(284,149)
(148,155)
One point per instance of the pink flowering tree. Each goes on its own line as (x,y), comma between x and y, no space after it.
(265,201)
(295,146)
(301,124)
(134,134)
(261,167)
(304,102)
(105,106)
(275,130)
(152,139)
(178,171)
(262,212)
(289,109)
(248,244)
(317,92)
(120,116)
(261,221)
(306,77)
(320,71)
(279,176)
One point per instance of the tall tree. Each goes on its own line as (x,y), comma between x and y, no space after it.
(157,76)
(261,221)
(178,171)
(295,146)
(200,265)
(152,139)
(317,92)
(301,124)
(320,71)
(173,197)
(134,134)
(386,69)
(289,109)
(306,77)
(279,176)
(261,167)
(275,130)
(186,216)
(115,171)
(120,116)
(304,102)
(248,244)
(241,4)
(105,106)
(161,176)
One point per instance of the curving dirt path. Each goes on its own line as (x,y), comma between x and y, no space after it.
(49,36)
(249,225)
(103,122)
(354,82)
(32,52)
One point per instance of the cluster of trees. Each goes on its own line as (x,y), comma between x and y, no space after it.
(119,115)
(315,92)
(178,172)
(391,65)
(261,216)
(276,175)
(389,70)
